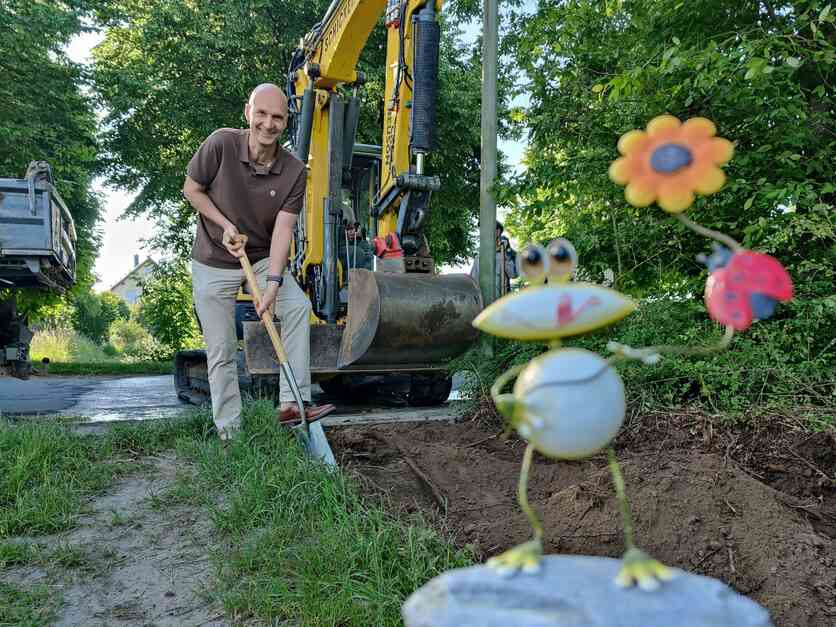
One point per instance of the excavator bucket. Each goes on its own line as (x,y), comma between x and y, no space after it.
(402,319)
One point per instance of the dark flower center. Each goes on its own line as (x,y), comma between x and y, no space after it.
(670,158)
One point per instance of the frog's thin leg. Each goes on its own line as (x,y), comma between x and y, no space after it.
(637,567)
(522,494)
(623,504)
(526,556)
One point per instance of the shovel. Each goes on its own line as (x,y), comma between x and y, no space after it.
(310,435)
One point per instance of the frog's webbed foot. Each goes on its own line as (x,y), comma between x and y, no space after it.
(638,568)
(525,557)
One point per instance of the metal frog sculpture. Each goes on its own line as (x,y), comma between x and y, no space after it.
(569,403)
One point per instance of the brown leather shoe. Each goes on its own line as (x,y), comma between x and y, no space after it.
(290,415)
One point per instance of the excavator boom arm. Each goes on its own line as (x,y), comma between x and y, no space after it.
(327,120)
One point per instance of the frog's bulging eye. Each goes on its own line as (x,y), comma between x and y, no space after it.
(534,263)
(563,259)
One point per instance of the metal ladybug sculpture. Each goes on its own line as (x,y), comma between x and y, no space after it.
(569,403)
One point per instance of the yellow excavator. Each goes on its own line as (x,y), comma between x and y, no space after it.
(382,316)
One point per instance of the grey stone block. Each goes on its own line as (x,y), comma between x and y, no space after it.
(576,591)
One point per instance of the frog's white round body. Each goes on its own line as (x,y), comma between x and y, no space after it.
(569,403)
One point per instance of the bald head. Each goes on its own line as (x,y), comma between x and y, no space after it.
(268,92)
(266,111)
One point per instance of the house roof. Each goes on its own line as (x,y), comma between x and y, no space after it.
(134,270)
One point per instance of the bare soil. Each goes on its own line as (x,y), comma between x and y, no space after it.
(752,506)
(135,564)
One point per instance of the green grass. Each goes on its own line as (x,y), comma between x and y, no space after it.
(108,368)
(46,472)
(26,607)
(19,554)
(296,540)
(302,543)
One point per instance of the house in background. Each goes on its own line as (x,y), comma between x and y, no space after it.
(129,288)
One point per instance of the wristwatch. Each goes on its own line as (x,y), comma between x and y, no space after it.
(275,278)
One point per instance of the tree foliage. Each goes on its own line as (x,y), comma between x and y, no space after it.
(47,114)
(762,71)
(171,71)
(93,314)
(166,307)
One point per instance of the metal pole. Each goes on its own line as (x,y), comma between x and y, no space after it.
(487,202)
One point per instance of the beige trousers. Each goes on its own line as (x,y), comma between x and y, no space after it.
(214,291)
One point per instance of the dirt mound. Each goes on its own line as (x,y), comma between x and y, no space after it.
(755,509)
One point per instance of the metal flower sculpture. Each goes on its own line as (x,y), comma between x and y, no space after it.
(569,403)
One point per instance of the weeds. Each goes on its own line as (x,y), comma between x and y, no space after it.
(65,345)
(33,607)
(44,473)
(71,353)
(18,554)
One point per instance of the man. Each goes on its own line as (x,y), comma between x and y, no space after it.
(242,182)
(505,255)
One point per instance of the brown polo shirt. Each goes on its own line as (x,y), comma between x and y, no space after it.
(248,195)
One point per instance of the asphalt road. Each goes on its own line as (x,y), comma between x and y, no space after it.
(96,398)
(102,399)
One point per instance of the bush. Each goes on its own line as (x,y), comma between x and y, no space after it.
(785,364)
(134,340)
(94,313)
(166,307)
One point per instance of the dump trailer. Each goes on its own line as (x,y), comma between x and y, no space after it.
(37,251)
(382,315)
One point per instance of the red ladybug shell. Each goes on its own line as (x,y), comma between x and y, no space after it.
(728,289)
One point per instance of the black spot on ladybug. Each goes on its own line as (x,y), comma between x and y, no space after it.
(730,297)
(738,277)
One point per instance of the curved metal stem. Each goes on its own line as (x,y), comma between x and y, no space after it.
(522,492)
(715,235)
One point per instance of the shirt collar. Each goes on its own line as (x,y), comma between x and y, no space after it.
(244,153)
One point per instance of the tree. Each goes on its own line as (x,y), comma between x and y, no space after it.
(170,72)
(762,71)
(46,113)
(94,314)
(166,307)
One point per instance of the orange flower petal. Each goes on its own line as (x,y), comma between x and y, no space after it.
(721,150)
(639,194)
(675,199)
(711,181)
(662,123)
(620,171)
(630,141)
(699,127)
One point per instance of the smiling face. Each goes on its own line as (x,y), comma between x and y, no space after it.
(266,112)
